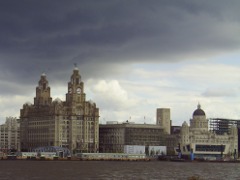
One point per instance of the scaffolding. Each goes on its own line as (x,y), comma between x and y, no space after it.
(221,125)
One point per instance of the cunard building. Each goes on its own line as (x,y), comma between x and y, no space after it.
(73,123)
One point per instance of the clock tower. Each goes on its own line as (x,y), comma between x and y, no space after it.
(71,124)
(75,94)
(42,92)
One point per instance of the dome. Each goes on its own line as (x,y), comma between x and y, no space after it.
(199,111)
(91,102)
(184,124)
(75,67)
(57,100)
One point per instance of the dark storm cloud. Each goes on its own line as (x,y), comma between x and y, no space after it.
(49,36)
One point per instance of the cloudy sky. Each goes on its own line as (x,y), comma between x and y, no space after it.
(134,56)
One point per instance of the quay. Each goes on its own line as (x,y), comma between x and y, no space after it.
(78,157)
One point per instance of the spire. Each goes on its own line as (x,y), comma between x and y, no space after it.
(199,106)
(75,66)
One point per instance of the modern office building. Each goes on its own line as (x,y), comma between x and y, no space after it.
(113,136)
(223,126)
(9,135)
(73,123)
(163,119)
(197,139)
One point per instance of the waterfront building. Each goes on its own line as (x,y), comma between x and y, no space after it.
(9,135)
(73,123)
(175,130)
(113,137)
(163,118)
(222,126)
(172,141)
(54,150)
(198,140)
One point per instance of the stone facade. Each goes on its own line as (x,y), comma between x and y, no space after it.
(163,119)
(9,135)
(73,123)
(203,143)
(113,137)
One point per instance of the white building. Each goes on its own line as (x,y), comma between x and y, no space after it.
(203,143)
(9,134)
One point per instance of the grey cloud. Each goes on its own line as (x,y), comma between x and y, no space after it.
(50,36)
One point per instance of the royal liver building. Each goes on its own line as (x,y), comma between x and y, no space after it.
(73,123)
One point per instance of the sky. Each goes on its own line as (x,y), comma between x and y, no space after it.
(134,56)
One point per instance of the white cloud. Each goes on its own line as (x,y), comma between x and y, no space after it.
(210,74)
(111,94)
(179,88)
(220,92)
(115,102)
(140,92)
(10,106)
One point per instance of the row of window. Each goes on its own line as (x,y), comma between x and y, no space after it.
(212,148)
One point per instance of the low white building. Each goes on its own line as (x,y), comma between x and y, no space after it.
(198,140)
(148,150)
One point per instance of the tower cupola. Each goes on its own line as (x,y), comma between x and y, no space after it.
(43,96)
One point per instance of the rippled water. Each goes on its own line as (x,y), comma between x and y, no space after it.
(109,170)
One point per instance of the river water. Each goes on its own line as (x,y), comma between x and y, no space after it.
(110,170)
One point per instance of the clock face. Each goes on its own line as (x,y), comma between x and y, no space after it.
(70,90)
(78,90)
